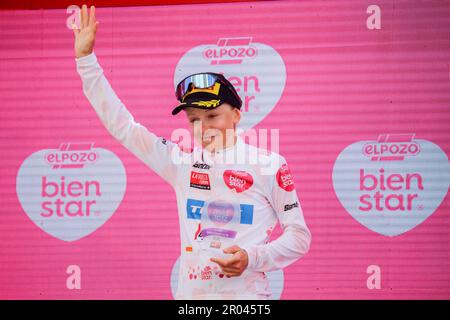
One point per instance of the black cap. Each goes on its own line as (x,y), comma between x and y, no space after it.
(207,99)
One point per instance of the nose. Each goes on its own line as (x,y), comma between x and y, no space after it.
(201,126)
(199,129)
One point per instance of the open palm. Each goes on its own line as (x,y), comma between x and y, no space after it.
(85,36)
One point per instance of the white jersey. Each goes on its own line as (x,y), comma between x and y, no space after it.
(220,203)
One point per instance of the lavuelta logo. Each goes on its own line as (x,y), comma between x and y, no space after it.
(71,191)
(393,184)
(256,70)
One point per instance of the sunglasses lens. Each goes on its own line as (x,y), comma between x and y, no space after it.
(200,81)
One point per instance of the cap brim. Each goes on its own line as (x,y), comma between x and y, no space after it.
(185,105)
(178,108)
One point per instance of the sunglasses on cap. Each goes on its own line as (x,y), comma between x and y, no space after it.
(205,82)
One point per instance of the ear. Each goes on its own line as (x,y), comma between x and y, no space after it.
(236,115)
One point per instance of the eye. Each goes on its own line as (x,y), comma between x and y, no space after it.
(210,116)
(193,120)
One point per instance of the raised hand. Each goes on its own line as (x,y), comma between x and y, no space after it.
(85,36)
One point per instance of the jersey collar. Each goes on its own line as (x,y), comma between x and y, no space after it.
(210,158)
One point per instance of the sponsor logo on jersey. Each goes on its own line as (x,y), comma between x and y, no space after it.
(239,181)
(200,180)
(194,210)
(203,166)
(288,207)
(285,179)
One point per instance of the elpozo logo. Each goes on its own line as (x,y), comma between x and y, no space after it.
(71,191)
(231,51)
(393,184)
(256,70)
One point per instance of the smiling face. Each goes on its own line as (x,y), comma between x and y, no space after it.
(211,126)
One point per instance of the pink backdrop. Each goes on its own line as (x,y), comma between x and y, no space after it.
(345,83)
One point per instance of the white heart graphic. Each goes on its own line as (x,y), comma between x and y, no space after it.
(426,179)
(70,203)
(260,80)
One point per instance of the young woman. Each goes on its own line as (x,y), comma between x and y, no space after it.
(227,209)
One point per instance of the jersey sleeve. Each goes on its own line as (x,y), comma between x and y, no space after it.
(295,241)
(156,152)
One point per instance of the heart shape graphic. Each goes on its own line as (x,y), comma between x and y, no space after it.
(259,80)
(237,180)
(285,179)
(70,202)
(391,197)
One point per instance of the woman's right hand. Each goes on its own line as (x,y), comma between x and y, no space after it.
(85,36)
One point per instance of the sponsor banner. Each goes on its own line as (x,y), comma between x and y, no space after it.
(71,191)
(393,184)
